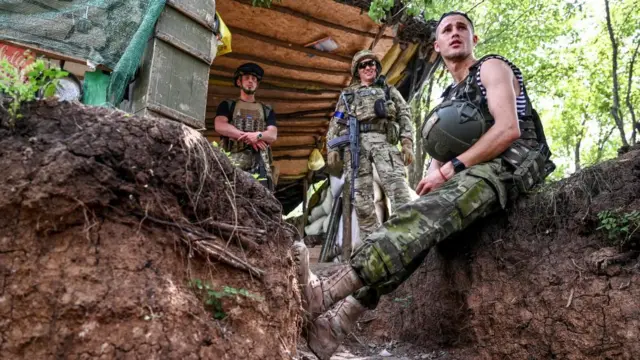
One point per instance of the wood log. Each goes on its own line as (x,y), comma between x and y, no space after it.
(297,67)
(226,81)
(294,141)
(285,10)
(292,167)
(287,45)
(277,80)
(297,153)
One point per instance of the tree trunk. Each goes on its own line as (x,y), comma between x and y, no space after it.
(615,108)
(634,122)
(576,150)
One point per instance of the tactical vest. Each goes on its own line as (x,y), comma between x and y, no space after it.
(362,102)
(529,156)
(247,117)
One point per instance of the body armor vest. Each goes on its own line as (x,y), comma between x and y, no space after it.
(530,155)
(530,134)
(364,100)
(247,117)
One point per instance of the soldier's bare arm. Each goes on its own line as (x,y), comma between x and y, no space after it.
(223,128)
(502,87)
(270,135)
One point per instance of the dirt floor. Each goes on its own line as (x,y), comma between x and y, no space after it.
(541,282)
(106,220)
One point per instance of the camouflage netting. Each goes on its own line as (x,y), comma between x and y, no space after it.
(113,33)
(417,30)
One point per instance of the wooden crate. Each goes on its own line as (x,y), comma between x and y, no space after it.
(174,75)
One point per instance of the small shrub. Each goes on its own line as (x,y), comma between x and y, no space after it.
(620,227)
(19,85)
(212,298)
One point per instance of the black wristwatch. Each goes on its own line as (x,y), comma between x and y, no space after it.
(457,165)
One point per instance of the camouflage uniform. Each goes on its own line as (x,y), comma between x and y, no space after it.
(376,149)
(392,252)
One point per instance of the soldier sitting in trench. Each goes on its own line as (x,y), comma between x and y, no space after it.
(248,127)
(488,147)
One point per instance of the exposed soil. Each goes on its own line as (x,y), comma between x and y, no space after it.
(541,282)
(98,209)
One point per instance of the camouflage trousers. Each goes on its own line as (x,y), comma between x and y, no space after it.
(246,160)
(395,250)
(374,149)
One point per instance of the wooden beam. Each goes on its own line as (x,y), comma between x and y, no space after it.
(310,122)
(54,54)
(278,100)
(394,74)
(287,45)
(285,10)
(301,130)
(225,81)
(270,79)
(307,112)
(283,141)
(315,70)
(297,153)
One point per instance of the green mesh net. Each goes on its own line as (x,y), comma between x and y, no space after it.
(113,33)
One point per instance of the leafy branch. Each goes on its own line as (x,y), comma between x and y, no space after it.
(21,84)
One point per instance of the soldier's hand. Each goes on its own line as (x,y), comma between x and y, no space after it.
(429,183)
(407,152)
(333,157)
(260,145)
(250,138)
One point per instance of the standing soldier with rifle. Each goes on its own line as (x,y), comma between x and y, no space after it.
(370,119)
(248,127)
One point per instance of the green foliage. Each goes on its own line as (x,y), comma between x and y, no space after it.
(22,85)
(263,3)
(565,54)
(619,226)
(212,298)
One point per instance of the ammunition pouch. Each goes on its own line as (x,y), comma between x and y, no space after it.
(530,166)
(393,132)
(380,108)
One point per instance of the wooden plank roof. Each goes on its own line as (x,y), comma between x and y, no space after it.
(301,84)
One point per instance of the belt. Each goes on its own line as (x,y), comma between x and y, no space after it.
(379,126)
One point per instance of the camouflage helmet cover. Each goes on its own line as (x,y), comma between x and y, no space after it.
(362,55)
(451,128)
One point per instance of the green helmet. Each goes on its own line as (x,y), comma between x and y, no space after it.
(451,128)
(362,55)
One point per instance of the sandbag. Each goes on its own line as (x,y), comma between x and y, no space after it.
(315,227)
(325,224)
(327,203)
(316,213)
(336,185)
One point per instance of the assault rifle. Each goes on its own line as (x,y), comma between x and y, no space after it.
(353,138)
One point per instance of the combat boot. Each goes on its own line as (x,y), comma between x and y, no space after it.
(318,295)
(325,333)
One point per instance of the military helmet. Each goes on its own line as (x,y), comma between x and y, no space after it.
(248,68)
(451,128)
(362,55)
